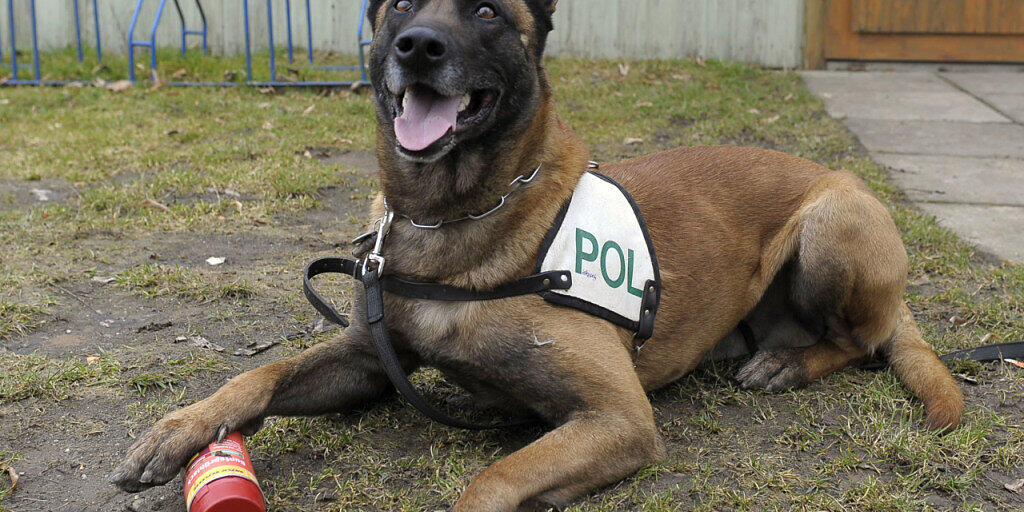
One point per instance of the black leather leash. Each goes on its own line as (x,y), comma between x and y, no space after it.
(374,285)
(996,352)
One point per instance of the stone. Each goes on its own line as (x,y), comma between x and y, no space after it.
(997,230)
(940,137)
(949,179)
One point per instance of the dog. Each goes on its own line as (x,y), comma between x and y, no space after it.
(808,257)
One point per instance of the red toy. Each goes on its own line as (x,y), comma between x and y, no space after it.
(221,479)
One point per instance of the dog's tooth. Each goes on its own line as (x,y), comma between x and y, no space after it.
(405,101)
(465,102)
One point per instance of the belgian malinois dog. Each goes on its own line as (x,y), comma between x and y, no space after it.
(807,256)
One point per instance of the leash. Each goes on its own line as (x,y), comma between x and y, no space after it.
(374,285)
(987,353)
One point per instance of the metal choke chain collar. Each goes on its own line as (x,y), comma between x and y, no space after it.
(513,186)
(382,226)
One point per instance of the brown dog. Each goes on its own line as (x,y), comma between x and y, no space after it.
(806,255)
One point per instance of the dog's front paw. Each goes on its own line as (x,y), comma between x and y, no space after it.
(774,370)
(158,455)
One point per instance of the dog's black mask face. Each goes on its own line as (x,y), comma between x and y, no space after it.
(454,74)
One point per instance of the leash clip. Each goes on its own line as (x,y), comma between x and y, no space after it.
(383,227)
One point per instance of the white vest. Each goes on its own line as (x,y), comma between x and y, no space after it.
(601,238)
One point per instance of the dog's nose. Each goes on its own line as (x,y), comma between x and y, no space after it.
(421,47)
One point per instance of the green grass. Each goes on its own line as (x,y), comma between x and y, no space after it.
(849,442)
(38,376)
(154,280)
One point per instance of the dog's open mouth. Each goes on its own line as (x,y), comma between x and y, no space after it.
(426,119)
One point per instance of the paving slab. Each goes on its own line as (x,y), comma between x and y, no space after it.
(832,82)
(988,83)
(1009,104)
(949,179)
(995,229)
(940,137)
(911,106)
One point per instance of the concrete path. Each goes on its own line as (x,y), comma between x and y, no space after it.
(954,141)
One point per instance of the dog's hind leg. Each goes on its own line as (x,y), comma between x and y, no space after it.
(849,274)
(331,376)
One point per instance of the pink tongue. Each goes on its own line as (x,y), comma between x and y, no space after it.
(428,116)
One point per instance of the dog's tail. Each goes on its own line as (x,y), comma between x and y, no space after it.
(927,377)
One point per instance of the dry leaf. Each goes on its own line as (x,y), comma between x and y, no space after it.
(149,203)
(120,85)
(788,97)
(156,80)
(632,141)
(267,125)
(988,338)
(700,61)
(214,261)
(957,320)
(772,119)
(344,141)
(754,111)
(11,472)
(266,90)
(263,106)
(643,104)
(179,74)
(624,69)
(229,75)
(1016,487)
(309,110)
(682,77)
(89,360)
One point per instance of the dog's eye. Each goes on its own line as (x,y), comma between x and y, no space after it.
(486,11)
(403,6)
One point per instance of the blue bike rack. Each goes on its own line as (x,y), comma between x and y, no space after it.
(15,80)
(96,25)
(12,32)
(362,42)
(274,82)
(250,79)
(151,44)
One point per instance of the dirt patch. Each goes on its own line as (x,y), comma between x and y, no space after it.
(24,195)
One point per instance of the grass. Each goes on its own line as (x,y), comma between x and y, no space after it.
(144,166)
(155,280)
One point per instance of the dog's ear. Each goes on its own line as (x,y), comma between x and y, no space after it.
(551,6)
(372,9)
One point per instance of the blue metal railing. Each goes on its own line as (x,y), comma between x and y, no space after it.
(151,44)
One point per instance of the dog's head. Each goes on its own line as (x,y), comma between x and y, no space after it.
(453,75)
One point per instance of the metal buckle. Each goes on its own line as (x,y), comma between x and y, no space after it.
(383,227)
(637,347)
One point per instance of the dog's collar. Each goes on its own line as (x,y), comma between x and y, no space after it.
(520,180)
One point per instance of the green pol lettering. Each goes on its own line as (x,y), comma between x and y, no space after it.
(582,255)
(612,246)
(629,283)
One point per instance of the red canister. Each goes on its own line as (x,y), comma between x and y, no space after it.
(221,479)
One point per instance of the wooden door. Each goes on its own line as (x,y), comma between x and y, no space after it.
(915,30)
